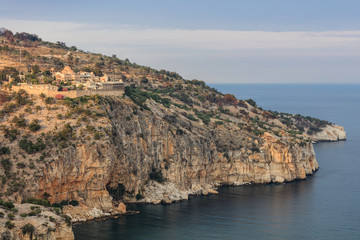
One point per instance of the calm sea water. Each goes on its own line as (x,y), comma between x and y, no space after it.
(326,206)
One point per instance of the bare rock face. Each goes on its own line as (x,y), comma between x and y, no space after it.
(188,158)
(330,133)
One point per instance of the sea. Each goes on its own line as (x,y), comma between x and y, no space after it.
(325,206)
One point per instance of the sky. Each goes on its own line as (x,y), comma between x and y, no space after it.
(218,41)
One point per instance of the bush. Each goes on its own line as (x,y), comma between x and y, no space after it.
(34,125)
(19,121)
(74,203)
(205,117)
(140,97)
(67,219)
(4,150)
(10,134)
(28,228)
(156,175)
(8,108)
(97,136)
(49,100)
(65,134)
(9,224)
(6,163)
(191,117)
(21,97)
(7,205)
(251,102)
(139,196)
(30,147)
(36,201)
(21,165)
(117,193)
(219,122)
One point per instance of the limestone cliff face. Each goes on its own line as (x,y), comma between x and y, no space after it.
(192,157)
(330,133)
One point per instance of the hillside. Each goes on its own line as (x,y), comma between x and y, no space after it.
(165,139)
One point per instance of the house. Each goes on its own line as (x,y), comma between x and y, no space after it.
(67,74)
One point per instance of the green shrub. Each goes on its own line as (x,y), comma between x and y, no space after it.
(9,224)
(21,165)
(67,219)
(11,133)
(204,116)
(35,212)
(97,136)
(28,228)
(19,121)
(65,134)
(74,203)
(30,147)
(31,165)
(139,196)
(8,108)
(11,216)
(36,201)
(4,150)
(191,117)
(23,215)
(156,175)
(219,122)
(117,193)
(34,125)
(140,97)
(251,102)
(6,163)
(21,97)
(49,100)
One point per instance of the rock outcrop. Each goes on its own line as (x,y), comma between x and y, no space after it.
(34,222)
(331,133)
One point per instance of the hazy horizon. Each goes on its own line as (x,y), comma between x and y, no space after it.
(274,41)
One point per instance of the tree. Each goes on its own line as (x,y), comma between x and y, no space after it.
(35,69)
(28,228)
(97,72)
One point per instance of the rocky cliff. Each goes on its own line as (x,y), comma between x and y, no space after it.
(166,139)
(106,151)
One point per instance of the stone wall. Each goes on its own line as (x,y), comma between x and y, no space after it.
(51,91)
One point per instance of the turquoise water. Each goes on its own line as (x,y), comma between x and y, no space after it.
(326,206)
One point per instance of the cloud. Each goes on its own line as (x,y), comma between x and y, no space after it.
(216,40)
(217,55)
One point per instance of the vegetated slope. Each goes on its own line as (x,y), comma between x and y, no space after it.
(165,139)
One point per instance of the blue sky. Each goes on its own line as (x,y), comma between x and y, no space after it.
(243,41)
